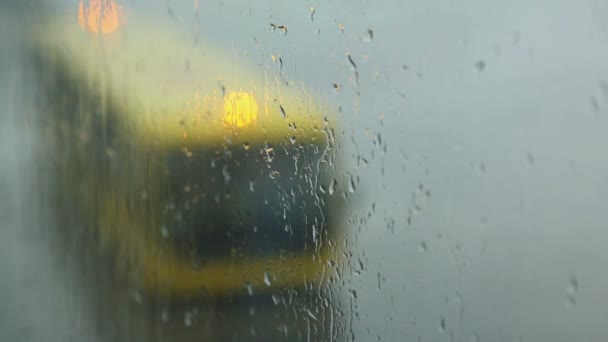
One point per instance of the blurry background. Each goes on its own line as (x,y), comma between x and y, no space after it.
(476,169)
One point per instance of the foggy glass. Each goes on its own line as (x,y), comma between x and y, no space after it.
(308,171)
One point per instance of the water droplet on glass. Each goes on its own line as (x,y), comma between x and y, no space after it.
(572,290)
(188,319)
(311,315)
(530,158)
(164,315)
(246,146)
(267,279)
(164,232)
(380,278)
(269,150)
(275,299)
(332,186)
(281,28)
(480,65)
(226,174)
(368,36)
(442,324)
(137,297)
(351,185)
(595,105)
(249,288)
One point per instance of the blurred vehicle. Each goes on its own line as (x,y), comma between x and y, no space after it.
(193,174)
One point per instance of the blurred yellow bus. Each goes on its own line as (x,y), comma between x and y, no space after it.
(196,173)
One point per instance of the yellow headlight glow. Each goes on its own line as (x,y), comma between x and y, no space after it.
(103,16)
(240,109)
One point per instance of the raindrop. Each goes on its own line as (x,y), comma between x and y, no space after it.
(249,288)
(164,231)
(226,174)
(275,299)
(246,146)
(251,184)
(572,290)
(312,13)
(423,246)
(480,65)
(267,279)
(281,28)
(171,14)
(188,319)
(332,186)
(351,186)
(350,60)
(164,315)
(137,297)
(442,324)
(516,37)
(274,174)
(269,150)
(368,36)
(311,315)
(278,60)
(594,104)
(379,287)
(284,329)
(530,158)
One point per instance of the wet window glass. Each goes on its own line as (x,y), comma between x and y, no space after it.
(302,171)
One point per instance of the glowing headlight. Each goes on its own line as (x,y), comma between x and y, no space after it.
(240,109)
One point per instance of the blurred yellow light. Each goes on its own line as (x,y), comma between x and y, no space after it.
(240,109)
(103,16)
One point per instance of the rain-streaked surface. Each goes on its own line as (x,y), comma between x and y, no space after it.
(452,189)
